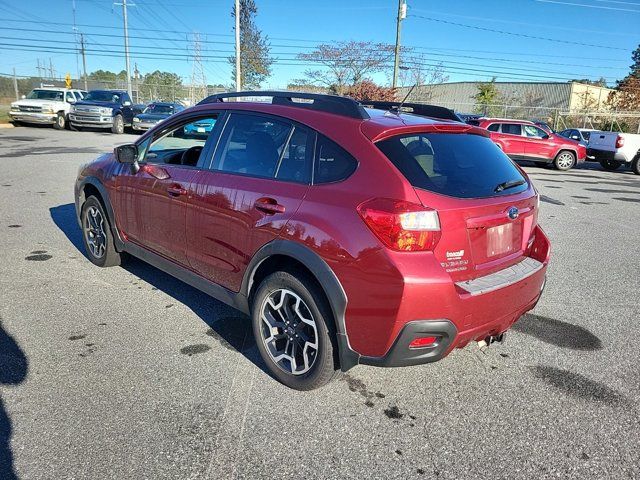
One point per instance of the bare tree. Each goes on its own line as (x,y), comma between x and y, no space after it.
(345,63)
(426,77)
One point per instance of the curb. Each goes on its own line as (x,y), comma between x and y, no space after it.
(7,125)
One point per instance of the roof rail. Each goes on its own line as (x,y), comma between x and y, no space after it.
(324,103)
(415,108)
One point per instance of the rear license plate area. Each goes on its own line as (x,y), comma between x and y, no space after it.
(500,240)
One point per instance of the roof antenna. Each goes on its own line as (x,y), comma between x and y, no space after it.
(405,99)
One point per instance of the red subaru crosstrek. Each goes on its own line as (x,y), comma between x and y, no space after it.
(349,235)
(523,140)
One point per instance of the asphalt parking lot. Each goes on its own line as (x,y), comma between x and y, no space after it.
(127,373)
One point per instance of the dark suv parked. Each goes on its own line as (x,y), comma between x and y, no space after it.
(103,109)
(349,235)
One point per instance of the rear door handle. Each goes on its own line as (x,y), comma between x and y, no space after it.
(176,190)
(270,206)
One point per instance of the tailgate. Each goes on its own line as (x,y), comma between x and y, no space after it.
(479,238)
(605,141)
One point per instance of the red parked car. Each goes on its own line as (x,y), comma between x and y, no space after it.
(523,140)
(349,235)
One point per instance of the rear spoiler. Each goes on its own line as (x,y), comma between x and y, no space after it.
(420,109)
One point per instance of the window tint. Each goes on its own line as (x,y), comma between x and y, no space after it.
(474,122)
(182,145)
(494,127)
(458,165)
(252,145)
(586,135)
(295,164)
(333,163)
(512,128)
(565,133)
(534,132)
(69,97)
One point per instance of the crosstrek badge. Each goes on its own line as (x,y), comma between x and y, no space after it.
(456,254)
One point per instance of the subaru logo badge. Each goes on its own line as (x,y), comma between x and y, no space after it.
(513,213)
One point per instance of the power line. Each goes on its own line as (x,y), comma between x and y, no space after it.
(523,35)
(602,7)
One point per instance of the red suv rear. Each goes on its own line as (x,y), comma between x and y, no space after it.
(523,140)
(349,235)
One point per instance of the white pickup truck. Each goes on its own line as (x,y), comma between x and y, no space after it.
(613,149)
(48,105)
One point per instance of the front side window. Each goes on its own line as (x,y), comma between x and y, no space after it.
(512,128)
(534,132)
(70,97)
(252,145)
(457,165)
(494,127)
(183,144)
(586,134)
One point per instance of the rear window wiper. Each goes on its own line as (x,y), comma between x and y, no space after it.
(507,185)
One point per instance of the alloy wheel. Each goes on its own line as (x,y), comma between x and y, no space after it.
(289,332)
(565,161)
(94,232)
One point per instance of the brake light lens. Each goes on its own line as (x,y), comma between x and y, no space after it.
(400,225)
(422,342)
(619,142)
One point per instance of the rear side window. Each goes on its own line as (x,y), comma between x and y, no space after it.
(252,145)
(457,165)
(333,163)
(512,128)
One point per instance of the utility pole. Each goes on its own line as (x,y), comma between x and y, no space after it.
(51,72)
(198,79)
(84,60)
(136,76)
(402,14)
(238,77)
(126,42)
(15,84)
(75,36)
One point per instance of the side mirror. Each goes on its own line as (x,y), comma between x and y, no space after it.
(575,137)
(128,154)
(72,100)
(126,103)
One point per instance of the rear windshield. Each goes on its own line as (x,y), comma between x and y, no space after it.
(457,165)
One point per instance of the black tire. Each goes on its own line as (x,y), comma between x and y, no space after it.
(565,160)
(324,364)
(118,125)
(635,165)
(60,122)
(110,256)
(17,123)
(610,165)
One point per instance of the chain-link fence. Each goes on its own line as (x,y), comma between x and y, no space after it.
(174,91)
(559,119)
(12,88)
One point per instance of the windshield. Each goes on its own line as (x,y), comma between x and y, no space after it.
(102,96)
(55,95)
(458,165)
(158,108)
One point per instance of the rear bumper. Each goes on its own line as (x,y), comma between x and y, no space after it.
(604,155)
(458,314)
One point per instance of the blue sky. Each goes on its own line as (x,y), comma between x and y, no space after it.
(553,40)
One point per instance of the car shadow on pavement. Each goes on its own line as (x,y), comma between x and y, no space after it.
(13,370)
(227,326)
(558,333)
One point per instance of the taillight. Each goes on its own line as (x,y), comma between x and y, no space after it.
(619,142)
(401,225)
